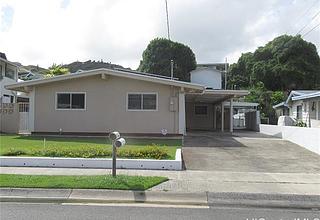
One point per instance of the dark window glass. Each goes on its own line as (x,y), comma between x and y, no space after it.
(134,101)
(1,76)
(299,112)
(201,110)
(149,101)
(77,101)
(63,101)
(9,73)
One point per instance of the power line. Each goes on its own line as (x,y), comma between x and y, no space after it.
(316,1)
(313,17)
(311,30)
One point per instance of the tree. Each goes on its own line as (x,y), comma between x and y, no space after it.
(56,70)
(157,56)
(285,63)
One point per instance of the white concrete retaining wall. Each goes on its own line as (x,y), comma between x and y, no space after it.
(272,130)
(308,138)
(147,164)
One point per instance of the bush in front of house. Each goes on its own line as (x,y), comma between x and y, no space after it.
(300,123)
(148,152)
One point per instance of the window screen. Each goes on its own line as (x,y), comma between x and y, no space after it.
(149,101)
(201,110)
(63,101)
(142,101)
(77,101)
(134,101)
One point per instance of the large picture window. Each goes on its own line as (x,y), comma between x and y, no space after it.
(142,101)
(70,101)
(9,73)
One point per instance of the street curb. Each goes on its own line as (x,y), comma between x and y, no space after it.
(254,200)
(263,200)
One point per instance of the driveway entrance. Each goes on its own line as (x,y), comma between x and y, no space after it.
(246,152)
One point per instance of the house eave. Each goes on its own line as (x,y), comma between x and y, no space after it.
(190,86)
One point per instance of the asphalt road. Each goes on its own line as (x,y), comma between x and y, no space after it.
(123,211)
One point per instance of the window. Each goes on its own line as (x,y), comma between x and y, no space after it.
(70,101)
(8,99)
(10,73)
(201,110)
(299,112)
(1,76)
(142,101)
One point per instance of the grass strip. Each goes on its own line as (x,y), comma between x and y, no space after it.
(120,182)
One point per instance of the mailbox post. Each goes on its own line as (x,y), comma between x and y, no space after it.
(117,142)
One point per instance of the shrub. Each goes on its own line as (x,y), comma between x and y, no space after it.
(149,152)
(300,124)
(14,152)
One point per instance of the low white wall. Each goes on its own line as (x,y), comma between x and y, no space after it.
(308,138)
(305,137)
(272,130)
(147,164)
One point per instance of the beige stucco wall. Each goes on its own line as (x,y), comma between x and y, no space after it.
(106,108)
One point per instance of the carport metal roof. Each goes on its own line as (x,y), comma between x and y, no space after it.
(215,96)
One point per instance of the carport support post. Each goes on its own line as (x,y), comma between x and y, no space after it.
(215,117)
(222,116)
(182,112)
(231,115)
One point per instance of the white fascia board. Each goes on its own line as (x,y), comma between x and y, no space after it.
(118,73)
(307,96)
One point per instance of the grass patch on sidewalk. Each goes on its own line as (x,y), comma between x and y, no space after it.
(121,182)
(87,147)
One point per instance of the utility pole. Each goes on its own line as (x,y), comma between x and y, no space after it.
(168,29)
(225,74)
(171,65)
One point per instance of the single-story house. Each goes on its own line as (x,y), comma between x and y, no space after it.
(102,100)
(301,105)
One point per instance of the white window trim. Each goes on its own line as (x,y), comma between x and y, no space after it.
(200,115)
(141,110)
(70,109)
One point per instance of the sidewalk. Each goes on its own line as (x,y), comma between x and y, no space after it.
(203,181)
(294,190)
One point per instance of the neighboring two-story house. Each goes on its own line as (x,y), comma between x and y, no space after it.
(8,75)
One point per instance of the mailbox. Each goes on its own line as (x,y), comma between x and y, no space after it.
(120,142)
(114,136)
(117,142)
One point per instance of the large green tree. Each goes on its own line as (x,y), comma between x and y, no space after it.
(157,56)
(285,63)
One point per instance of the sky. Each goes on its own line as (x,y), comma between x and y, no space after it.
(43,32)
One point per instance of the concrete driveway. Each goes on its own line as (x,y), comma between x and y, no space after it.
(246,152)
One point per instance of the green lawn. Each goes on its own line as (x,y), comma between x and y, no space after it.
(80,182)
(93,147)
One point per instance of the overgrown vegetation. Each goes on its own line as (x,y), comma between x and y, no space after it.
(272,71)
(11,145)
(120,182)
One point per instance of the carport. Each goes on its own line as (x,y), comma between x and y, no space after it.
(211,110)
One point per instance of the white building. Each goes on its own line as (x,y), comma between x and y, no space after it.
(208,75)
(8,75)
(301,105)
